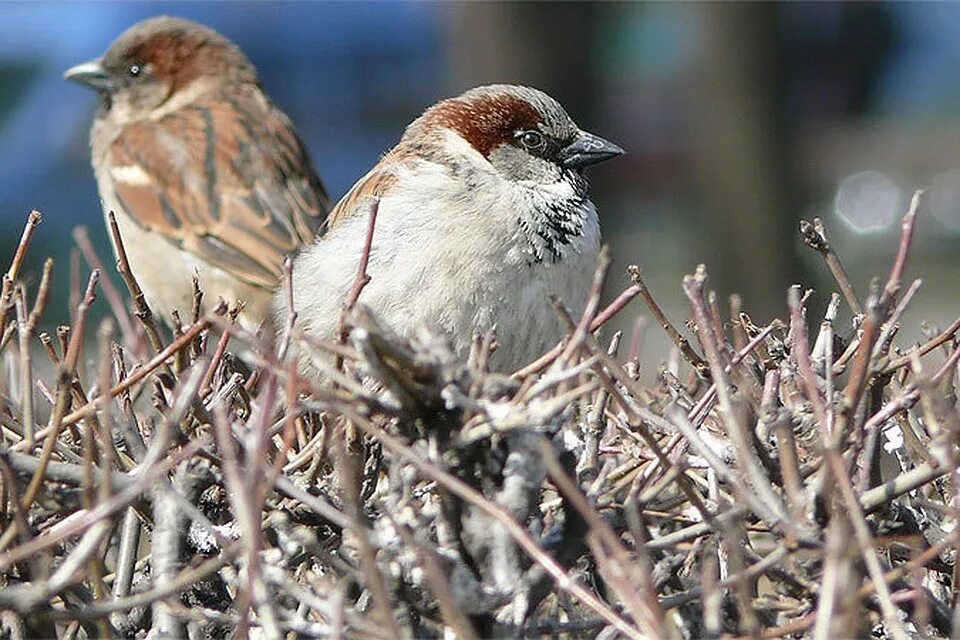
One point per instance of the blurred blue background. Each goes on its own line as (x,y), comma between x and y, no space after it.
(738,118)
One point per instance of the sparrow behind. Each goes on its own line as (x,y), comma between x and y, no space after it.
(483,213)
(204,173)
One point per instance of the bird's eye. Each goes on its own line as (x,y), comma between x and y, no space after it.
(134,70)
(533,140)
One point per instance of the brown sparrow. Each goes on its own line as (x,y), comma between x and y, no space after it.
(203,172)
(483,213)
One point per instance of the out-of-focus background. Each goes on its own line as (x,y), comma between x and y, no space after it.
(738,118)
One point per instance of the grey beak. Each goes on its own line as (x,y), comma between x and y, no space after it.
(588,149)
(91,74)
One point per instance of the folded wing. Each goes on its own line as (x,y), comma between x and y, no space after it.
(227,179)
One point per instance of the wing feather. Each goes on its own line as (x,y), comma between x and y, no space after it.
(210,179)
(375,184)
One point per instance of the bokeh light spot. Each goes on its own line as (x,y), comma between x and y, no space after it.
(868,201)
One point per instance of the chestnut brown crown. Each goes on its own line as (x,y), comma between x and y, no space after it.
(499,115)
(165,53)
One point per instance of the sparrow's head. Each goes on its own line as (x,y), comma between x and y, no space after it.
(524,133)
(155,58)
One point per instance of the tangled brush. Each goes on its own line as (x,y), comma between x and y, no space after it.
(771,481)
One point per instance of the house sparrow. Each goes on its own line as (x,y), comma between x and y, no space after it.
(204,173)
(483,213)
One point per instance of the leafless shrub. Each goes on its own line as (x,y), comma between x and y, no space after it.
(770,483)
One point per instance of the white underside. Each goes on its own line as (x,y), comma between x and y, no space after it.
(449,257)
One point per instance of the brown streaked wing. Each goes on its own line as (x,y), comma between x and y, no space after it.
(376,183)
(227,179)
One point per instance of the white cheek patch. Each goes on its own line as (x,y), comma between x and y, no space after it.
(132,174)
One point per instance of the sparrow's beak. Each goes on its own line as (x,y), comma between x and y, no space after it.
(91,74)
(588,149)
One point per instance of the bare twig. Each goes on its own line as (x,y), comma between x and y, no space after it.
(361,279)
(601,319)
(141,309)
(814,236)
(117,308)
(67,373)
(682,343)
(10,277)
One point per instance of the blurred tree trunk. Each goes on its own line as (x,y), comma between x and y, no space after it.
(740,156)
(545,45)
